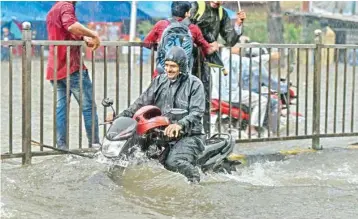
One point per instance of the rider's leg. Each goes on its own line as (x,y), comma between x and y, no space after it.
(183,155)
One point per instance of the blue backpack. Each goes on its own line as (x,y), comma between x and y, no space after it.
(176,34)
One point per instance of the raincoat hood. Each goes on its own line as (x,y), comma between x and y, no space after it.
(177,54)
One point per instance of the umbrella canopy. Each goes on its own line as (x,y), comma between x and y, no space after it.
(106,11)
(22,11)
(86,11)
(162,9)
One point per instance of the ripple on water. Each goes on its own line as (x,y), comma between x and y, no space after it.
(74,187)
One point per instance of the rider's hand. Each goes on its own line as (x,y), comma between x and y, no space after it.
(241,16)
(172,130)
(109,117)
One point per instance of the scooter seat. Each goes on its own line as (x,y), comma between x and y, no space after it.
(216,150)
(237,110)
(210,146)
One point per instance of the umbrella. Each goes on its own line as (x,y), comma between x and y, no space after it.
(162,9)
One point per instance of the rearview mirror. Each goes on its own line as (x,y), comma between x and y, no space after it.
(106,102)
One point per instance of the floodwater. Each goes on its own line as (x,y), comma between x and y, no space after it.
(313,185)
(317,185)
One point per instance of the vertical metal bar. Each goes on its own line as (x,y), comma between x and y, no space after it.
(42,75)
(230,87)
(327,91)
(10,97)
(199,65)
(117,78)
(129,76)
(344,91)
(288,94)
(93,97)
(68,86)
(279,92)
(220,109)
(220,71)
(23,63)
(298,88)
(209,95)
(269,94)
(317,92)
(250,89)
(26,95)
(335,93)
(306,89)
(240,92)
(141,70)
(152,63)
(80,99)
(55,96)
(105,85)
(260,82)
(353,87)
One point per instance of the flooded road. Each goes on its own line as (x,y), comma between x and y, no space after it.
(317,185)
(314,185)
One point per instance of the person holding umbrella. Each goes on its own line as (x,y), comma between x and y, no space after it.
(213,20)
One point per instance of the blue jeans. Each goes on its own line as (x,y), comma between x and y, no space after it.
(86,107)
(5,53)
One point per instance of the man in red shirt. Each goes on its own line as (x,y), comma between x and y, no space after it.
(180,11)
(62,24)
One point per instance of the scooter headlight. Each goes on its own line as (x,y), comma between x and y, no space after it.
(112,148)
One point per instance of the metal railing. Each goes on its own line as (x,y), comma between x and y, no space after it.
(320,94)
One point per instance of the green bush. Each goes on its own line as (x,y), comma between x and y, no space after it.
(256,31)
(144,26)
(292,33)
(307,34)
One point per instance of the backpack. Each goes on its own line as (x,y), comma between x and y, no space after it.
(176,34)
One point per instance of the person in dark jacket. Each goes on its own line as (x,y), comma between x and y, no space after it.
(213,20)
(177,89)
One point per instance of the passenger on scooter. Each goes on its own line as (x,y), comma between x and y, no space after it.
(177,89)
(256,106)
(255,68)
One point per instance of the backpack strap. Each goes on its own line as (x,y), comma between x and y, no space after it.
(172,20)
(186,22)
(201,10)
(221,12)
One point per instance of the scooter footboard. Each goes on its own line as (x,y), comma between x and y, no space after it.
(217,148)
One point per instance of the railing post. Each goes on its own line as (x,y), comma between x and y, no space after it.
(317,91)
(26,92)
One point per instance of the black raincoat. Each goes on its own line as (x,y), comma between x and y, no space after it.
(211,25)
(187,92)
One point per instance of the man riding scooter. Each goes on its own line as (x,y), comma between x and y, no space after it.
(177,89)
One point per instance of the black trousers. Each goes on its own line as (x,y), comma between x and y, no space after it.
(181,156)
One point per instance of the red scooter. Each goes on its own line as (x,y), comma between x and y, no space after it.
(145,132)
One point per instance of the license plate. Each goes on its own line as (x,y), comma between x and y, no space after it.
(122,163)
